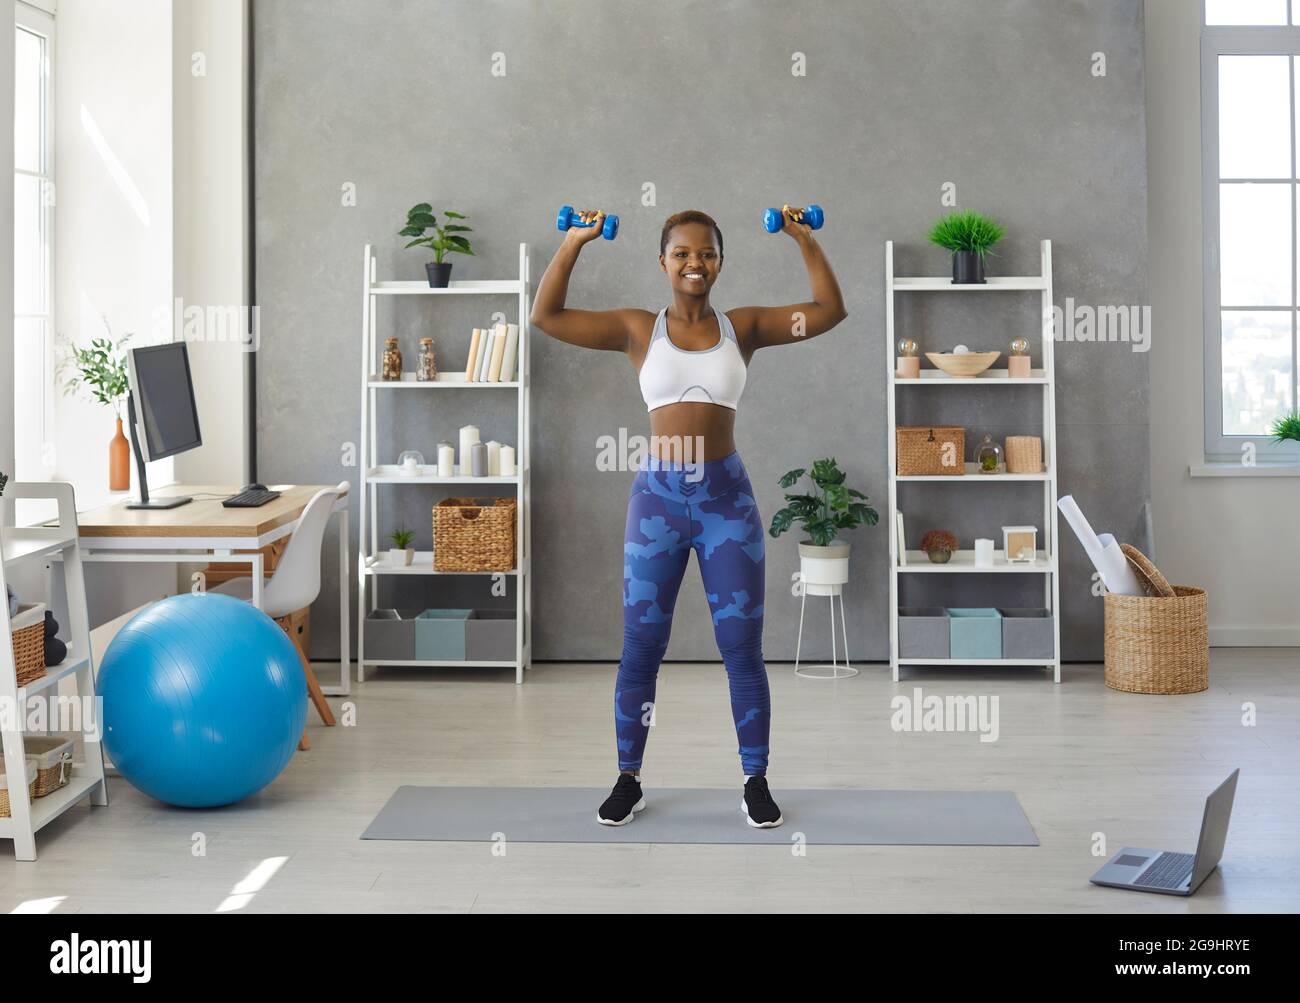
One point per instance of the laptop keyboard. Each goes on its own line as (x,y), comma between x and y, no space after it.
(1169,871)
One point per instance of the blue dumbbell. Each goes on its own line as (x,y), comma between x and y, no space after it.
(813,216)
(567,218)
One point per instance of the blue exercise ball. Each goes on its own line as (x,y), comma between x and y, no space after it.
(204,700)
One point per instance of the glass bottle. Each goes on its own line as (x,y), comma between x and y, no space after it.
(988,456)
(392,360)
(427,371)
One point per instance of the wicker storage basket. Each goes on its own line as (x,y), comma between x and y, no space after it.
(52,755)
(1156,644)
(474,534)
(4,786)
(28,629)
(1024,454)
(922,451)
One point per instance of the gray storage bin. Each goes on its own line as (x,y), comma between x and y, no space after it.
(1027,633)
(923,632)
(490,635)
(390,635)
(440,635)
(975,633)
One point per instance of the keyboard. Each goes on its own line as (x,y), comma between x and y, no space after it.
(250,499)
(1169,871)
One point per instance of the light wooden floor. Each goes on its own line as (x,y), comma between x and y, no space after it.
(1082,759)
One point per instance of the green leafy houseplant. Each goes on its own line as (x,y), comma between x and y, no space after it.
(1287,428)
(967,231)
(401,538)
(444,239)
(828,509)
(100,368)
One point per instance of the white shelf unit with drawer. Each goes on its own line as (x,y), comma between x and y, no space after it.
(991,381)
(378,471)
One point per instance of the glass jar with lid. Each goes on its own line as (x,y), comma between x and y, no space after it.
(427,370)
(392,360)
(988,456)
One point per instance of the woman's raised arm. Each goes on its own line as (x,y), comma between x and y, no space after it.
(764,326)
(607,330)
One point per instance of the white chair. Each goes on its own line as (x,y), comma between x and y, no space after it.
(295,584)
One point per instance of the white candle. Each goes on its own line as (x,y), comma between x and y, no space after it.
(494,458)
(468,436)
(507,461)
(446,459)
(983,553)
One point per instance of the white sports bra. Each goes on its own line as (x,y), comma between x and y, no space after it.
(671,375)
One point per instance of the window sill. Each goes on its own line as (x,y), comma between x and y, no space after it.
(1228,469)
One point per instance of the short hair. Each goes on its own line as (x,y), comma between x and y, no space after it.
(689,216)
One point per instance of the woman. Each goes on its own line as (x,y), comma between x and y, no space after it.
(692,491)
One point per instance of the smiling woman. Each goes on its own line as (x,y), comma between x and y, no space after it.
(691,360)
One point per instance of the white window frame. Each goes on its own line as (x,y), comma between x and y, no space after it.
(37,16)
(1228,40)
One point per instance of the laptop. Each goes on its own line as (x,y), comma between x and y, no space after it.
(1175,873)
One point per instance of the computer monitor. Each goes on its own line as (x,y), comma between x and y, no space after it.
(161,412)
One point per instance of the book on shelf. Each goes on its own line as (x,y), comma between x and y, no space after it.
(511,353)
(498,353)
(902,540)
(471,366)
(485,355)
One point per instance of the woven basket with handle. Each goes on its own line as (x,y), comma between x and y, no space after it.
(1157,643)
(29,642)
(930,451)
(474,534)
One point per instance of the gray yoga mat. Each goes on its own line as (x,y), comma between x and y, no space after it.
(568,815)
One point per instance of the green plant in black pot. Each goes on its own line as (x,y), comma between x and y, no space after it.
(1287,428)
(823,512)
(969,236)
(443,241)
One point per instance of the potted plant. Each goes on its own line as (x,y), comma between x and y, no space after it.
(938,545)
(969,236)
(1287,428)
(100,368)
(402,553)
(444,240)
(823,513)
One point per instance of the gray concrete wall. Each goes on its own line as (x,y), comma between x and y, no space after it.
(900,97)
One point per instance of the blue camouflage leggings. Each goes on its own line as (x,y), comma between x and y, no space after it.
(673,509)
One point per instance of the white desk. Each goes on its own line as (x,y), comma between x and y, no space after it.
(204,529)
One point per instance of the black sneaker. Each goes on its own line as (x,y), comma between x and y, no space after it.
(760,810)
(623,803)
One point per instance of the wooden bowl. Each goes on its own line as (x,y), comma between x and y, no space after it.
(963,367)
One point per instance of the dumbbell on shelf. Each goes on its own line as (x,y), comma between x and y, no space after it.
(568,218)
(812,216)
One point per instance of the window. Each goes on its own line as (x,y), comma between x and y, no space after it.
(33,242)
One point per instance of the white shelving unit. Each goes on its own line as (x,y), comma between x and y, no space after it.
(963,561)
(373,564)
(25,546)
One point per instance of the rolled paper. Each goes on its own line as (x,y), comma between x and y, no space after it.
(1103,551)
(468,436)
(983,553)
(507,461)
(478,460)
(494,458)
(446,459)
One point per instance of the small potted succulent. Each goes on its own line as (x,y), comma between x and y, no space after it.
(1287,428)
(402,553)
(969,236)
(444,240)
(938,545)
(823,513)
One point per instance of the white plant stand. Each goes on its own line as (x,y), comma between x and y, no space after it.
(379,468)
(963,562)
(45,544)
(834,670)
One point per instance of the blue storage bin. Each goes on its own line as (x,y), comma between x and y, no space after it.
(975,633)
(440,635)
